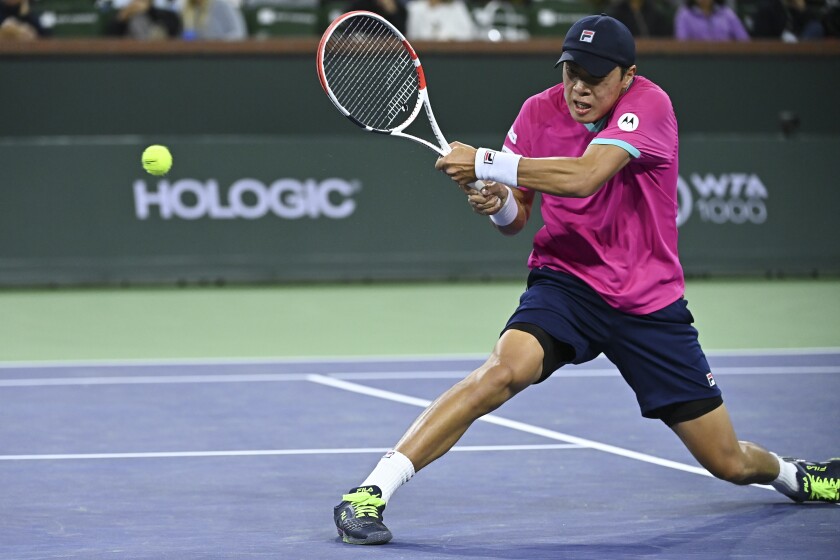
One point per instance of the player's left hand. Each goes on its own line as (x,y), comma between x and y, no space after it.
(488,200)
(459,164)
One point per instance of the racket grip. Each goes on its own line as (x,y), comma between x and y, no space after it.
(478,185)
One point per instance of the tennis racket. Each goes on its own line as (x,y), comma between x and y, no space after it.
(374,78)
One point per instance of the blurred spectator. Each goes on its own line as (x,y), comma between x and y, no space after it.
(142,19)
(789,20)
(440,20)
(18,22)
(213,19)
(831,19)
(392,10)
(644,18)
(502,20)
(708,20)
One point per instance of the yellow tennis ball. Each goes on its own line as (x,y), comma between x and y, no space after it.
(157,160)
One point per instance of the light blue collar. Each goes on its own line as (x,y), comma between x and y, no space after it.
(598,125)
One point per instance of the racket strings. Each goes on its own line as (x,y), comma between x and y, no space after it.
(368,36)
(349,40)
(384,55)
(371,73)
(364,35)
(400,101)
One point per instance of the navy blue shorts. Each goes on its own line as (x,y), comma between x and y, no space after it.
(658,354)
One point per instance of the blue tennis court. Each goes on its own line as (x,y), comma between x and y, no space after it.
(245,459)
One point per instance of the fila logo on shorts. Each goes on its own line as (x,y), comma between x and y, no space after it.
(628,122)
(711,379)
(488,157)
(587,36)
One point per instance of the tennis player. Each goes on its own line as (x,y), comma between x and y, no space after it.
(605,277)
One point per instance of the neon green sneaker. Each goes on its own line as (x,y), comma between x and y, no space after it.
(819,482)
(358,517)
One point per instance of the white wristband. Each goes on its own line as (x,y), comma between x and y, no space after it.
(508,212)
(496,166)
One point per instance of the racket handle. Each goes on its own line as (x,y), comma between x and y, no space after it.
(478,185)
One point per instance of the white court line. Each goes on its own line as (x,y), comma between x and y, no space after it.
(267,452)
(152,379)
(459,374)
(601,372)
(244,360)
(752,352)
(520,426)
(775,370)
(235,361)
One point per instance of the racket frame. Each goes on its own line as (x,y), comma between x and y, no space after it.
(422,93)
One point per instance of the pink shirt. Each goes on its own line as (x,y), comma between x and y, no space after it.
(621,241)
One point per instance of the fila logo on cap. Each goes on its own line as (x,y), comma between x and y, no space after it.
(587,36)
(628,122)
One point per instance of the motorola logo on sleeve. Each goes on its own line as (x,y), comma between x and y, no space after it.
(628,122)
(248,199)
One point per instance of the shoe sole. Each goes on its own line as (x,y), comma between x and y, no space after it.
(380,537)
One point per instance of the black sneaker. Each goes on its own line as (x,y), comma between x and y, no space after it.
(818,482)
(358,517)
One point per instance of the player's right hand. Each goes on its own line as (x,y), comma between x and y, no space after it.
(459,164)
(488,200)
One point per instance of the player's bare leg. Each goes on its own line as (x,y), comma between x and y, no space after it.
(711,439)
(516,363)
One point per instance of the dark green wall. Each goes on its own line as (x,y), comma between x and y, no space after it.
(259,94)
(73,129)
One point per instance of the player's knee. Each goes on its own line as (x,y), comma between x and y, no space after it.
(730,468)
(507,378)
(494,384)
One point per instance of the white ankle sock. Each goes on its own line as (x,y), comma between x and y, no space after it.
(787,482)
(392,471)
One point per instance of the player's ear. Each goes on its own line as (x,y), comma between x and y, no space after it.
(628,77)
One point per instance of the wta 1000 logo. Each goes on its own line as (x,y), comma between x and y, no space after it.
(249,199)
(735,198)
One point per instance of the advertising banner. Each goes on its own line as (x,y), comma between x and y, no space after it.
(364,207)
